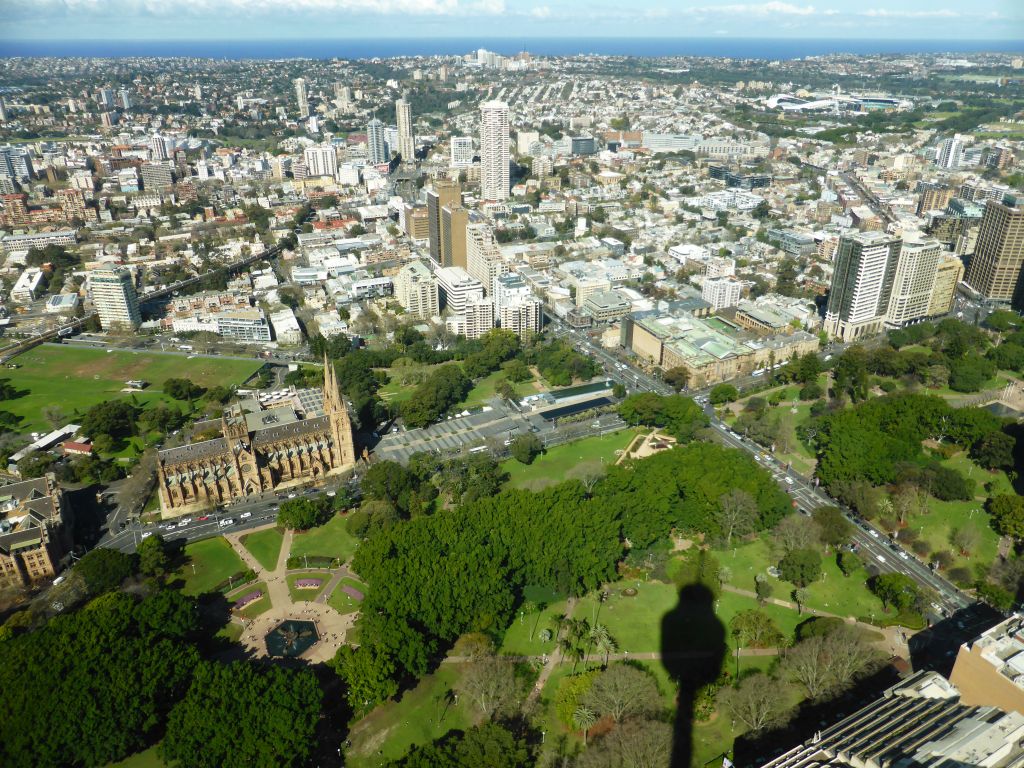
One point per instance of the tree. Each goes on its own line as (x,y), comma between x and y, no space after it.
(677,377)
(105,569)
(489,683)
(994,451)
(965,540)
(895,590)
(755,629)
(303,514)
(183,389)
(847,562)
(116,418)
(764,589)
(368,673)
(830,662)
(35,464)
(622,691)
(834,528)
(737,514)
(153,557)
(1007,515)
(584,718)
(800,598)
(796,532)
(241,714)
(488,744)
(723,393)
(526,447)
(801,567)
(54,415)
(756,701)
(633,744)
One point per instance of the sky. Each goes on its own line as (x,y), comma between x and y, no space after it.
(270,19)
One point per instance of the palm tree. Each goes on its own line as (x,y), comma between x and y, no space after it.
(577,656)
(540,611)
(565,646)
(604,643)
(800,598)
(584,718)
(557,623)
(526,609)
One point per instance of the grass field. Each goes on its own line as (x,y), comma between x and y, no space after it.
(76,378)
(396,392)
(419,717)
(329,540)
(254,609)
(265,546)
(208,563)
(564,462)
(307,595)
(517,640)
(341,601)
(483,390)
(147,759)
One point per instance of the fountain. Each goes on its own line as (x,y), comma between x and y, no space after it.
(292,638)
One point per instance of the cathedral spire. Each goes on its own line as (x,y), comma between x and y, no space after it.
(331,394)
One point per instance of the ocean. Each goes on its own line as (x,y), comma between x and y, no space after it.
(366,48)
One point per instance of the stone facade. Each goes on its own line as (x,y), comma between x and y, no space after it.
(264,446)
(34,530)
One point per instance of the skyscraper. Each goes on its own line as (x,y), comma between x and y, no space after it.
(994,270)
(861,284)
(483,257)
(494,154)
(302,97)
(158,148)
(320,161)
(462,151)
(454,219)
(113,294)
(406,141)
(376,148)
(445,193)
(913,283)
(416,290)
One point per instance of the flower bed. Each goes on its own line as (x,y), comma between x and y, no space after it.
(248,598)
(308,584)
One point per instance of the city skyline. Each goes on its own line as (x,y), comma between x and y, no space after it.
(357,19)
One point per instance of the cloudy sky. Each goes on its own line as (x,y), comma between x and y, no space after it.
(267,19)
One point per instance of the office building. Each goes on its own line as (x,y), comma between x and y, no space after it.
(247,325)
(320,161)
(156,176)
(302,97)
(406,139)
(865,267)
(948,275)
(921,721)
(158,148)
(721,292)
(445,193)
(994,270)
(35,531)
(16,164)
(454,220)
(417,222)
(416,290)
(913,283)
(932,197)
(989,670)
(457,289)
(376,146)
(105,97)
(113,295)
(342,96)
(462,152)
(483,258)
(494,151)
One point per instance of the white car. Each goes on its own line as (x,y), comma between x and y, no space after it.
(245,515)
(879,558)
(904,556)
(789,481)
(183,523)
(873,532)
(147,534)
(226,523)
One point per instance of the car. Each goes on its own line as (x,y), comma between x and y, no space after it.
(789,481)
(904,555)
(872,531)
(879,558)
(182,524)
(245,515)
(203,517)
(226,523)
(291,495)
(756,457)
(185,520)
(147,534)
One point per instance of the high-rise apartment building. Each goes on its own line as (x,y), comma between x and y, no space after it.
(457,289)
(446,193)
(721,292)
(320,161)
(933,197)
(865,267)
(475,321)
(517,309)
(302,97)
(483,258)
(342,96)
(994,270)
(406,140)
(494,151)
(158,148)
(376,146)
(416,290)
(113,294)
(126,98)
(913,283)
(156,176)
(462,152)
(949,152)
(948,275)
(454,219)
(15,164)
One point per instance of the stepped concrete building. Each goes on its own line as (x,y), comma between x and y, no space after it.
(267,444)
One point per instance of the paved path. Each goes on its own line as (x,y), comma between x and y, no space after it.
(547,669)
(331,625)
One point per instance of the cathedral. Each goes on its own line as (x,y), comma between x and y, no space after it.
(269,441)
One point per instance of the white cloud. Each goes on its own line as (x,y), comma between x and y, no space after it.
(261,7)
(773,8)
(541,12)
(887,14)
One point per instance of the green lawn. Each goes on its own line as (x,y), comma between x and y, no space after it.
(483,390)
(208,563)
(265,546)
(341,601)
(418,717)
(253,609)
(563,462)
(147,759)
(307,595)
(517,640)
(329,540)
(936,526)
(76,378)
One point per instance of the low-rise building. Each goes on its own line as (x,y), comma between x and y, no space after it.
(34,530)
(606,306)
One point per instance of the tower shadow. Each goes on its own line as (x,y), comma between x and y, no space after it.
(692,650)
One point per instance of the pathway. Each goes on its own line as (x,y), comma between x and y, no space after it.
(331,625)
(547,669)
